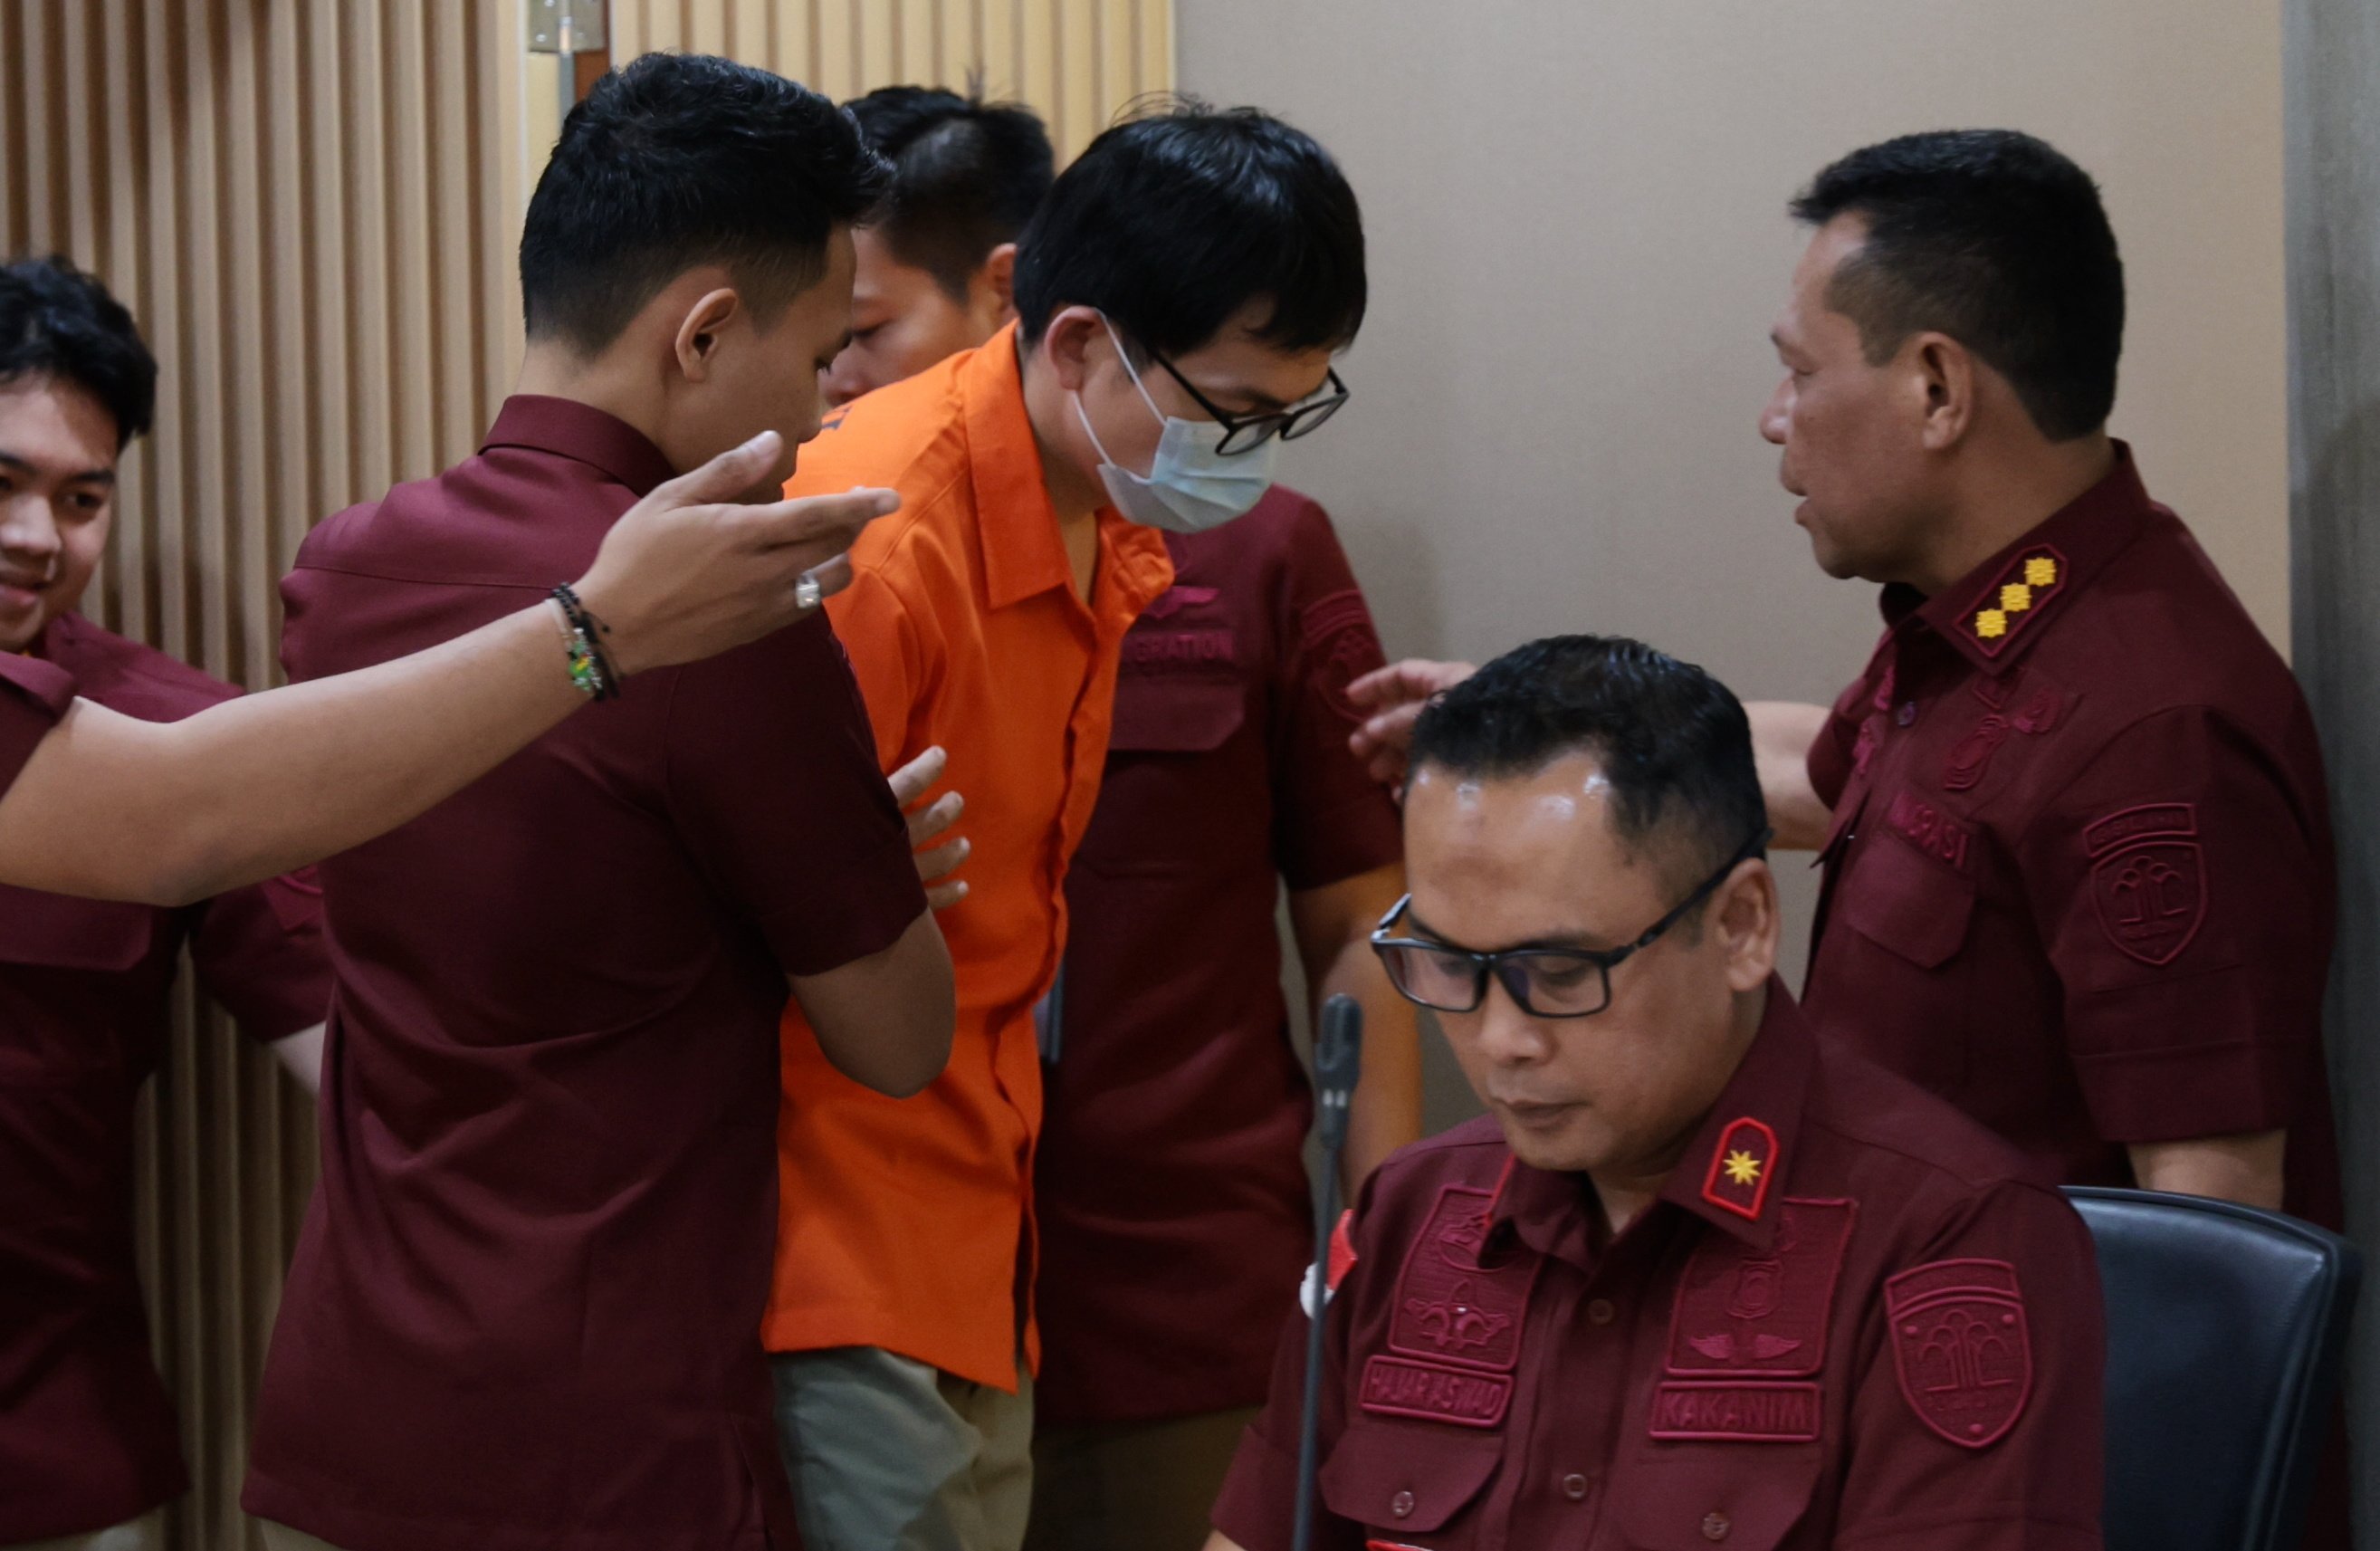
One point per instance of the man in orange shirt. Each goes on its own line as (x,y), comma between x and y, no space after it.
(1179,298)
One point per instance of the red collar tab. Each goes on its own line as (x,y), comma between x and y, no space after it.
(2006,608)
(1742,1166)
(1342,1251)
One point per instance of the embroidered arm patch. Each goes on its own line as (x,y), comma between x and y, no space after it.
(2148,880)
(1962,1348)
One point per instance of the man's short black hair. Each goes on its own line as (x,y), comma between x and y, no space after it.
(684,159)
(1672,741)
(966,175)
(1170,224)
(58,325)
(1995,238)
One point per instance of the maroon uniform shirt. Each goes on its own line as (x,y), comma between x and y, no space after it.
(2080,880)
(87,1434)
(525,1307)
(1847,1320)
(1172,1186)
(33,695)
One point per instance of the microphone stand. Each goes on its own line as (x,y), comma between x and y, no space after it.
(1338,1056)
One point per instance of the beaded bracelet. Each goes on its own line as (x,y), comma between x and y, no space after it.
(590,670)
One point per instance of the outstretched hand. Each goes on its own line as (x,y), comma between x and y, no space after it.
(692,570)
(1390,699)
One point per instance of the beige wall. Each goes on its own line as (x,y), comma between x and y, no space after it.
(1578,240)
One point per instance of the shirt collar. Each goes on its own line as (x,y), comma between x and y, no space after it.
(1733,1174)
(583,433)
(1996,612)
(1023,554)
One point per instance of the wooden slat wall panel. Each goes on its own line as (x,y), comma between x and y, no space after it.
(1077,62)
(311,206)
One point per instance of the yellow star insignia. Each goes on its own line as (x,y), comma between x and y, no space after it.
(2015,598)
(1991,624)
(1741,1167)
(2041,571)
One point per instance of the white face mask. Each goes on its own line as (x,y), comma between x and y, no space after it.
(1189,487)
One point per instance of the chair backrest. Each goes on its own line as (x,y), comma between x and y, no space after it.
(2225,1331)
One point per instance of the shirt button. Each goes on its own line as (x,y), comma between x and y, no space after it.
(1401,1504)
(1716,1525)
(1600,1312)
(1574,1486)
(1907,714)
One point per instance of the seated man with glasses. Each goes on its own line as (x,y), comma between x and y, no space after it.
(1040,475)
(1694,1279)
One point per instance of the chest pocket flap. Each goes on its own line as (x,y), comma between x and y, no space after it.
(1160,713)
(1706,1495)
(1908,904)
(56,931)
(1407,1479)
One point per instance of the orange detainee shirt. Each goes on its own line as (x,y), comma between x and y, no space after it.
(901,1221)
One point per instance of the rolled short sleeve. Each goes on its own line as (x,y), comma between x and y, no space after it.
(33,695)
(260,952)
(1332,820)
(2005,1454)
(774,779)
(2184,898)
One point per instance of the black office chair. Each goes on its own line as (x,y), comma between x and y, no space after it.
(2226,1329)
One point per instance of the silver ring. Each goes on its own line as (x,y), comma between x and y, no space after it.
(807,592)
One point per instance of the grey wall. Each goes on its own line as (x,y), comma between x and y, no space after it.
(2333,57)
(1575,213)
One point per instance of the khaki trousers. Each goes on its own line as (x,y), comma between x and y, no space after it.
(886,1453)
(144,1534)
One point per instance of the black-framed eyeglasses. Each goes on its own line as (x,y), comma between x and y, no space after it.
(1544,982)
(1248,432)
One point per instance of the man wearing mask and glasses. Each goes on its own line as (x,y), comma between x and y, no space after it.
(1695,1279)
(1180,296)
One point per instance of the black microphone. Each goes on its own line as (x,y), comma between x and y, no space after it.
(1338,1058)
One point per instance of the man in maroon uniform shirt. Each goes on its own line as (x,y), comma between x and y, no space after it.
(2078,861)
(525,1307)
(1175,1212)
(1698,1276)
(88,1444)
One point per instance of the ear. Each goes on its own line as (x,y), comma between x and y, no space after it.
(1943,372)
(1071,343)
(996,282)
(698,331)
(1744,912)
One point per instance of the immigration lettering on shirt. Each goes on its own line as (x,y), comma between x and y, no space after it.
(1148,648)
(1929,829)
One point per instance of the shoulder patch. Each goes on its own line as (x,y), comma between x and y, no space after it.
(1338,641)
(2013,602)
(2148,880)
(1962,1348)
